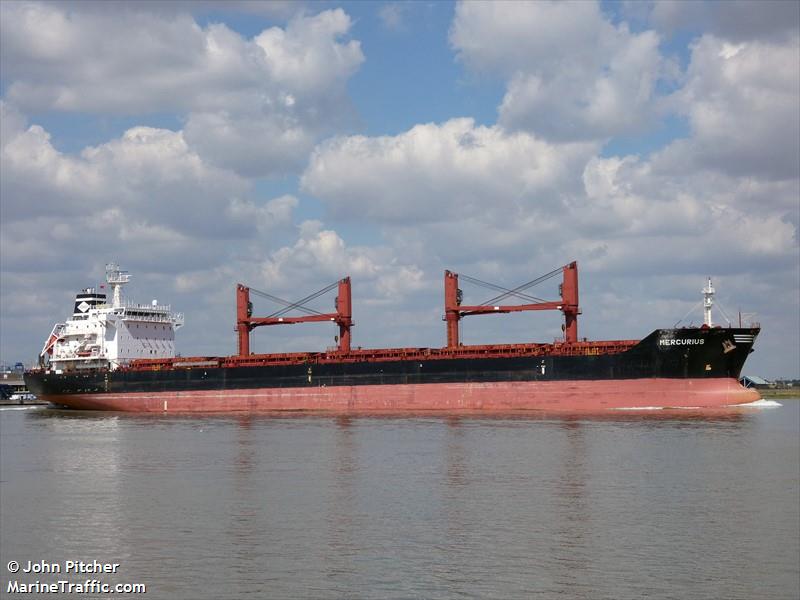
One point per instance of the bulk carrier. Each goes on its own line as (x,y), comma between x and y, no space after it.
(121,356)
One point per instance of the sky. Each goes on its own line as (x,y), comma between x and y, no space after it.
(285,145)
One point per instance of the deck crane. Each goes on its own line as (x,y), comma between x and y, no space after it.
(246,322)
(568,305)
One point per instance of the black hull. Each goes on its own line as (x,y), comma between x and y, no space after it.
(695,354)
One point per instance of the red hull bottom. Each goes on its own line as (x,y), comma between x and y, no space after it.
(500,397)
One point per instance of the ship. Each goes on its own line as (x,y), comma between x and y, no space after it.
(120,356)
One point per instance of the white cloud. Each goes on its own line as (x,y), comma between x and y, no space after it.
(285,87)
(437,172)
(279,144)
(307,56)
(465,193)
(688,219)
(321,254)
(509,36)
(742,104)
(266,217)
(571,73)
(83,61)
(13,123)
(150,173)
(145,194)
(318,251)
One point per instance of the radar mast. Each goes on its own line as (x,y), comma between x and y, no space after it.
(116,278)
(708,302)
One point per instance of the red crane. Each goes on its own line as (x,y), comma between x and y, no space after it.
(568,304)
(343,316)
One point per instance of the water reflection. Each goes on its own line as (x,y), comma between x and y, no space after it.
(340,510)
(572,512)
(77,492)
(705,415)
(461,529)
(243,505)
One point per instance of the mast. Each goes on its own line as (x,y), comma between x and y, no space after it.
(116,279)
(708,302)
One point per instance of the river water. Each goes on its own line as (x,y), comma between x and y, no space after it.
(626,505)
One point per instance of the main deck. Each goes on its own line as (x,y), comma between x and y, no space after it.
(359,355)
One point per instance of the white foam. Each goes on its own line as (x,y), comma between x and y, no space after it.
(30,407)
(759,404)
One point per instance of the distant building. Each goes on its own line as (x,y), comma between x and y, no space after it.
(753,381)
(787,383)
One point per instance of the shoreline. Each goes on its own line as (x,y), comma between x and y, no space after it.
(785,394)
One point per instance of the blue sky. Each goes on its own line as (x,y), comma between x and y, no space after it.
(288,144)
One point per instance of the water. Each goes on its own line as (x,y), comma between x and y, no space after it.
(651,505)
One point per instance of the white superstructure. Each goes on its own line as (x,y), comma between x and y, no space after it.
(102,335)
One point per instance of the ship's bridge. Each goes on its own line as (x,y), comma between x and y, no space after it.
(101,334)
